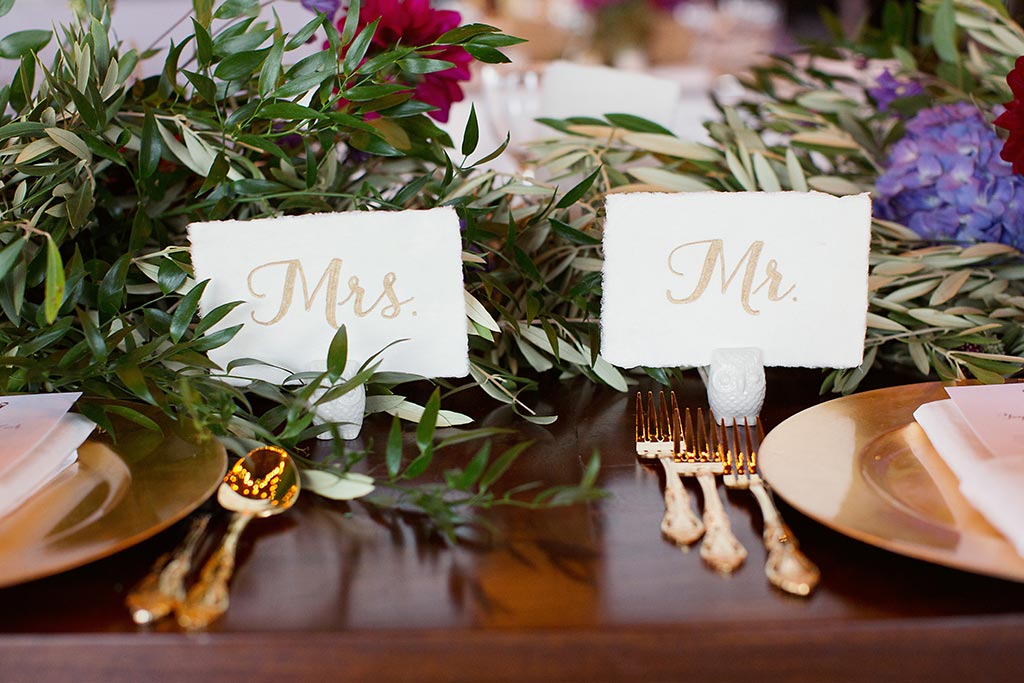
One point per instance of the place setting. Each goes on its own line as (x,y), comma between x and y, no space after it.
(73,494)
(908,469)
(927,470)
(366,337)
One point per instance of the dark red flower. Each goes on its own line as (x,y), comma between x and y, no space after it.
(415,22)
(1013,119)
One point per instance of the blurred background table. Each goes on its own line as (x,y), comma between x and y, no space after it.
(588,593)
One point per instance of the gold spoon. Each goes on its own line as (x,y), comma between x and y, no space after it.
(263,483)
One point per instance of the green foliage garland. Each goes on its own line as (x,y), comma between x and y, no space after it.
(100,172)
(805,123)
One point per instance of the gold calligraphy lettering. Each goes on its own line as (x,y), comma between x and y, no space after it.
(774,280)
(295,272)
(329,283)
(394,306)
(715,256)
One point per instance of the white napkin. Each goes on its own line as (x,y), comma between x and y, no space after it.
(40,441)
(992,482)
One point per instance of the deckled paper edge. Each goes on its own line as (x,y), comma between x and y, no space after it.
(863,198)
(452,224)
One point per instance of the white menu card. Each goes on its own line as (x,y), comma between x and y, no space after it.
(40,440)
(978,434)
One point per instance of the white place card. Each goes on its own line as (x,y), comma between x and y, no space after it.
(685,274)
(387,276)
(569,89)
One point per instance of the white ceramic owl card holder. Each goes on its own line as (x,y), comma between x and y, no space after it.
(731,282)
(392,278)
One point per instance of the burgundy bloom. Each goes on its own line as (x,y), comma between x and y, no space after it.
(667,5)
(1013,119)
(415,22)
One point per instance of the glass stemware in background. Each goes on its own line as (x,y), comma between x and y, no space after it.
(511,105)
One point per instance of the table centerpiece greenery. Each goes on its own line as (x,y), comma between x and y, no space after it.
(102,168)
(910,111)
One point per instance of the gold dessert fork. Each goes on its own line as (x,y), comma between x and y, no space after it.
(700,454)
(680,524)
(162,590)
(787,568)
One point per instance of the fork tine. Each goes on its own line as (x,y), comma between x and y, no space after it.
(664,432)
(703,447)
(677,425)
(715,442)
(689,439)
(744,445)
(674,408)
(641,426)
(678,446)
(651,418)
(760,437)
(751,450)
(728,451)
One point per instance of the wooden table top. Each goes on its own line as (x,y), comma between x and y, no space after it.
(587,593)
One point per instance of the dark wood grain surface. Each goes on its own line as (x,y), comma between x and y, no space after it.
(587,593)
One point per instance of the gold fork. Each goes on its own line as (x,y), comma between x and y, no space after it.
(787,568)
(700,454)
(680,524)
(163,589)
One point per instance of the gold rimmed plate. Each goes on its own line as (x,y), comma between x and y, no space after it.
(862,466)
(117,494)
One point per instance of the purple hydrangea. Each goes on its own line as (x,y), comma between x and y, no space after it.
(944,180)
(888,89)
(328,7)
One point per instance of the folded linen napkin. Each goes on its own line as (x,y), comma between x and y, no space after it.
(40,441)
(991,479)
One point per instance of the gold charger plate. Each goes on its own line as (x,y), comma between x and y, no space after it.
(116,495)
(862,466)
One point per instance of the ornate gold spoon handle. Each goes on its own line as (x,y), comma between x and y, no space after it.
(262,484)
(787,568)
(160,592)
(208,598)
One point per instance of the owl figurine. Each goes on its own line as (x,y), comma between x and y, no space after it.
(736,384)
(346,410)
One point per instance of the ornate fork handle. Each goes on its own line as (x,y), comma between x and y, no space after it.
(163,589)
(680,523)
(787,568)
(208,599)
(720,549)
